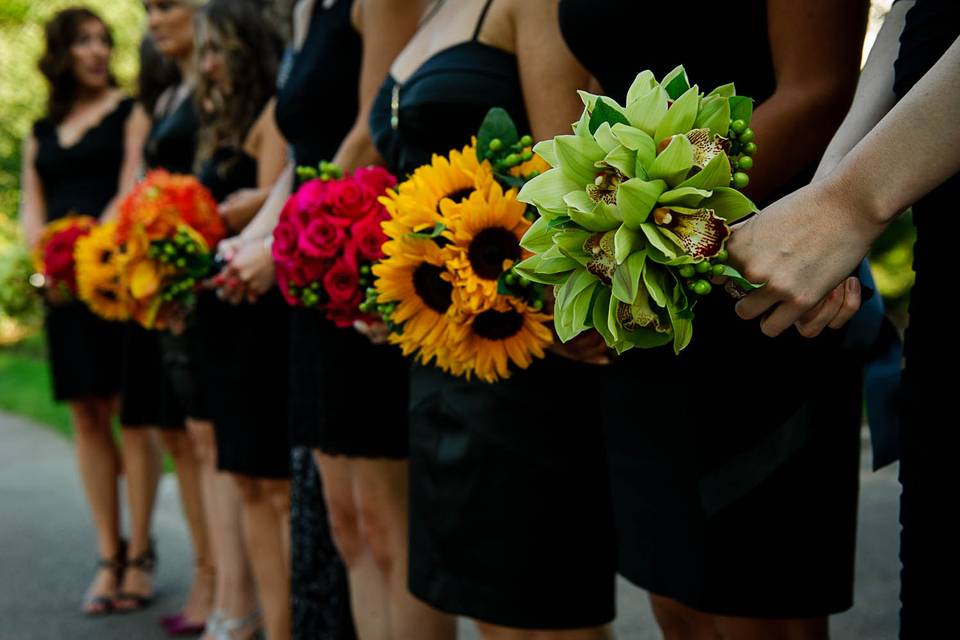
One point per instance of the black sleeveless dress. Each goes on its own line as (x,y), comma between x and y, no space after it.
(336,370)
(85,351)
(928,445)
(742,506)
(314,124)
(244,358)
(160,387)
(510,520)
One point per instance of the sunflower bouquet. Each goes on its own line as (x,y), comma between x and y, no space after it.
(166,233)
(53,258)
(446,288)
(99,279)
(636,208)
(328,237)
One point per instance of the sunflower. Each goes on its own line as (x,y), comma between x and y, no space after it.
(99,283)
(413,276)
(509,331)
(416,203)
(486,242)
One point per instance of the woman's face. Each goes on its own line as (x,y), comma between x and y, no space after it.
(213,63)
(91,55)
(171,27)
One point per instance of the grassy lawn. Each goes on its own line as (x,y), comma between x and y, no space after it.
(25,385)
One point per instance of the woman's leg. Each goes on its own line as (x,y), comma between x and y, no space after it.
(98,464)
(142,466)
(380,487)
(266,520)
(368,589)
(200,599)
(494,632)
(680,622)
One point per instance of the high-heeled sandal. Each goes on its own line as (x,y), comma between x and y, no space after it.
(94,606)
(220,628)
(146,563)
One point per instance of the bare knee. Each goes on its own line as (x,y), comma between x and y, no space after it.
(91,416)
(249,488)
(203,441)
(177,443)
(377,532)
(344,525)
(680,622)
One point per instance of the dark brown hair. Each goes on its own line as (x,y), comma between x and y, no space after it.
(251,52)
(157,74)
(57,61)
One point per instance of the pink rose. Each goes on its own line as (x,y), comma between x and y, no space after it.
(312,270)
(286,236)
(313,196)
(344,314)
(321,239)
(342,282)
(377,178)
(284,281)
(351,199)
(369,237)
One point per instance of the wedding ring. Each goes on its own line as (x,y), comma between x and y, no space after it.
(735,290)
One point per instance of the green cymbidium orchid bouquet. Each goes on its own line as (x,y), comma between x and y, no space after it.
(635,211)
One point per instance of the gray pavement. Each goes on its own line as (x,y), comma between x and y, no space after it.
(46,555)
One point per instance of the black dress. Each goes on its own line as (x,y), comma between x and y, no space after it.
(162,384)
(315,124)
(928,443)
(335,370)
(510,519)
(746,504)
(244,356)
(85,351)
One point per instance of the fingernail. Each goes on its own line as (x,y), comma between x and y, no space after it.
(853,285)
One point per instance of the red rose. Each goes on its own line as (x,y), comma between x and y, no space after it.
(343,314)
(313,196)
(321,239)
(369,237)
(286,237)
(351,199)
(342,282)
(312,269)
(284,281)
(377,178)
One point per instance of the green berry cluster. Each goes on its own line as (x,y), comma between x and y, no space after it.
(742,150)
(697,276)
(505,157)
(371,307)
(325,171)
(515,285)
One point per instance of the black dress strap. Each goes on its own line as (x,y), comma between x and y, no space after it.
(483,17)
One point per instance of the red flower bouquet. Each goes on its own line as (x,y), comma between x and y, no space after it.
(328,237)
(54,256)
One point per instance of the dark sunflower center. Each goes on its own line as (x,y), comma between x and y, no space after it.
(105,256)
(489,249)
(435,292)
(108,294)
(498,325)
(456,196)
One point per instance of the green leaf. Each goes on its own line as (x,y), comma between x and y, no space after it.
(683,197)
(600,314)
(680,116)
(743,283)
(741,108)
(647,111)
(582,307)
(433,234)
(559,222)
(497,124)
(553,261)
(539,237)
(545,149)
(655,280)
(636,140)
(571,241)
(604,113)
(578,201)
(602,217)
(714,115)
(636,198)
(715,174)
(642,84)
(626,278)
(612,324)
(674,163)
(724,91)
(675,83)
(578,156)
(626,241)
(645,338)
(605,138)
(546,192)
(658,242)
(529,269)
(623,160)
(729,204)
(682,330)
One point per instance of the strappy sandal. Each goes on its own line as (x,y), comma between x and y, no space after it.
(95,606)
(146,563)
(220,628)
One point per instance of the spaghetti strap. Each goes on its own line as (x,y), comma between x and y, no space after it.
(483,16)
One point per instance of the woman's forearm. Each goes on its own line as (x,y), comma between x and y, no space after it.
(913,149)
(266,219)
(874,96)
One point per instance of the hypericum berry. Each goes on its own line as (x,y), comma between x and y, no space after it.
(722,255)
(750,148)
(527,156)
(747,136)
(687,271)
(526,141)
(745,163)
(702,267)
(738,126)
(510,279)
(740,180)
(496,144)
(718,269)
(702,287)
(511,160)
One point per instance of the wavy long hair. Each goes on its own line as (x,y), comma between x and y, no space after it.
(57,61)
(251,52)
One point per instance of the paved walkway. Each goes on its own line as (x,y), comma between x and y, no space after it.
(46,559)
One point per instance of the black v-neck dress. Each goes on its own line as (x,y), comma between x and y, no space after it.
(85,351)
